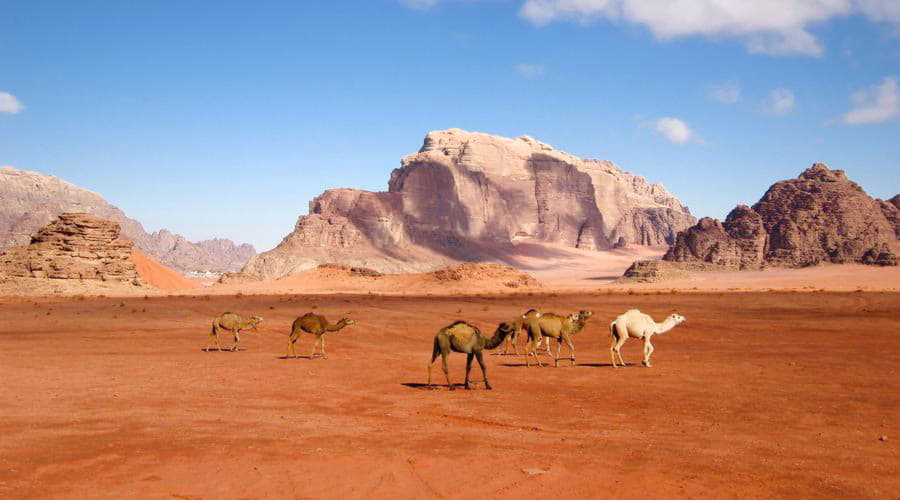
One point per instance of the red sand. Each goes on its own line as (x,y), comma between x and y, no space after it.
(159,276)
(757,395)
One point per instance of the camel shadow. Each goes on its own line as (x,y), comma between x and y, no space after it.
(608,365)
(299,357)
(424,387)
(221,350)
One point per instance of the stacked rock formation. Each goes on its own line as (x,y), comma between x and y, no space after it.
(470,196)
(29,201)
(76,246)
(821,216)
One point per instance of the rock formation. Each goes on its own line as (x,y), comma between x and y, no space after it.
(466,195)
(821,216)
(29,201)
(76,246)
(891,211)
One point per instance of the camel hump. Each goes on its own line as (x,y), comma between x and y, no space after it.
(458,323)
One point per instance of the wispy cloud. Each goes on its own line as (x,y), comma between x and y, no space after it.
(529,71)
(780,102)
(676,130)
(876,104)
(9,103)
(420,4)
(726,93)
(777,27)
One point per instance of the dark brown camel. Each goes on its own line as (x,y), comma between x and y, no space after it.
(465,338)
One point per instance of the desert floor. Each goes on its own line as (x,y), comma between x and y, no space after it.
(758,394)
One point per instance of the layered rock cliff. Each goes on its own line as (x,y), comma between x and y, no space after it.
(76,246)
(821,216)
(29,200)
(466,195)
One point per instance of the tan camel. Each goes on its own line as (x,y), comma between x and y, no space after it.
(562,328)
(640,326)
(519,324)
(314,324)
(233,323)
(465,338)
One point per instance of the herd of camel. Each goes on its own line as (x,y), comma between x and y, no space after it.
(465,338)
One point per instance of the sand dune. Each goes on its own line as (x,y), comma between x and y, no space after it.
(159,276)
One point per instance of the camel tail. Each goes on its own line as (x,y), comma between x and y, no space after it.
(612,331)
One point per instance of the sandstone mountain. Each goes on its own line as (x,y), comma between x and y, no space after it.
(821,216)
(470,196)
(29,201)
(76,246)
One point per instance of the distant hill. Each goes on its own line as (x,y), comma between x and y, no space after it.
(30,201)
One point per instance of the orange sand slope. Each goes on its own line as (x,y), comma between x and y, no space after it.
(159,276)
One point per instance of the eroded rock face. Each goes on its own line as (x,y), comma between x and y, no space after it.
(891,211)
(821,216)
(29,201)
(76,246)
(464,195)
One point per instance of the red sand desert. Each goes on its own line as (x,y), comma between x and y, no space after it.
(758,394)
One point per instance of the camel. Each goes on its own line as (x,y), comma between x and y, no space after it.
(562,328)
(465,338)
(234,323)
(640,326)
(314,324)
(519,324)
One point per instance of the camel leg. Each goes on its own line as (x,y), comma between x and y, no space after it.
(620,341)
(434,354)
(648,349)
(559,343)
(324,354)
(612,349)
(313,353)
(547,346)
(468,368)
(480,358)
(209,342)
(237,338)
(571,345)
(445,353)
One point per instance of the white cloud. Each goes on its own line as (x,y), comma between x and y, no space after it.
(420,4)
(726,93)
(9,103)
(765,26)
(876,104)
(780,102)
(676,130)
(529,70)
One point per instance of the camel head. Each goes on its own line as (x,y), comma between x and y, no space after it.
(348,321)
(584,315)
(677,318)
(506,329)
(255,321)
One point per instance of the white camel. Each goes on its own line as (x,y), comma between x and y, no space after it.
(640,326)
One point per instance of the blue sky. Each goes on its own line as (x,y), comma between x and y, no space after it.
(225,119)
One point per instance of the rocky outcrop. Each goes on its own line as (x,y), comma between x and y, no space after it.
(891,211)
(29,201)
(76,246)
(465,195)
(821,216)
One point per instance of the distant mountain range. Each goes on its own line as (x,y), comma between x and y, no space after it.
(29,201)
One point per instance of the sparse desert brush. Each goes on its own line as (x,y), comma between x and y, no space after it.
(272,308)
(121,304)
(239,295)
(314,306)
(134,311)
(485,308)
(79,297)
(459,311)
